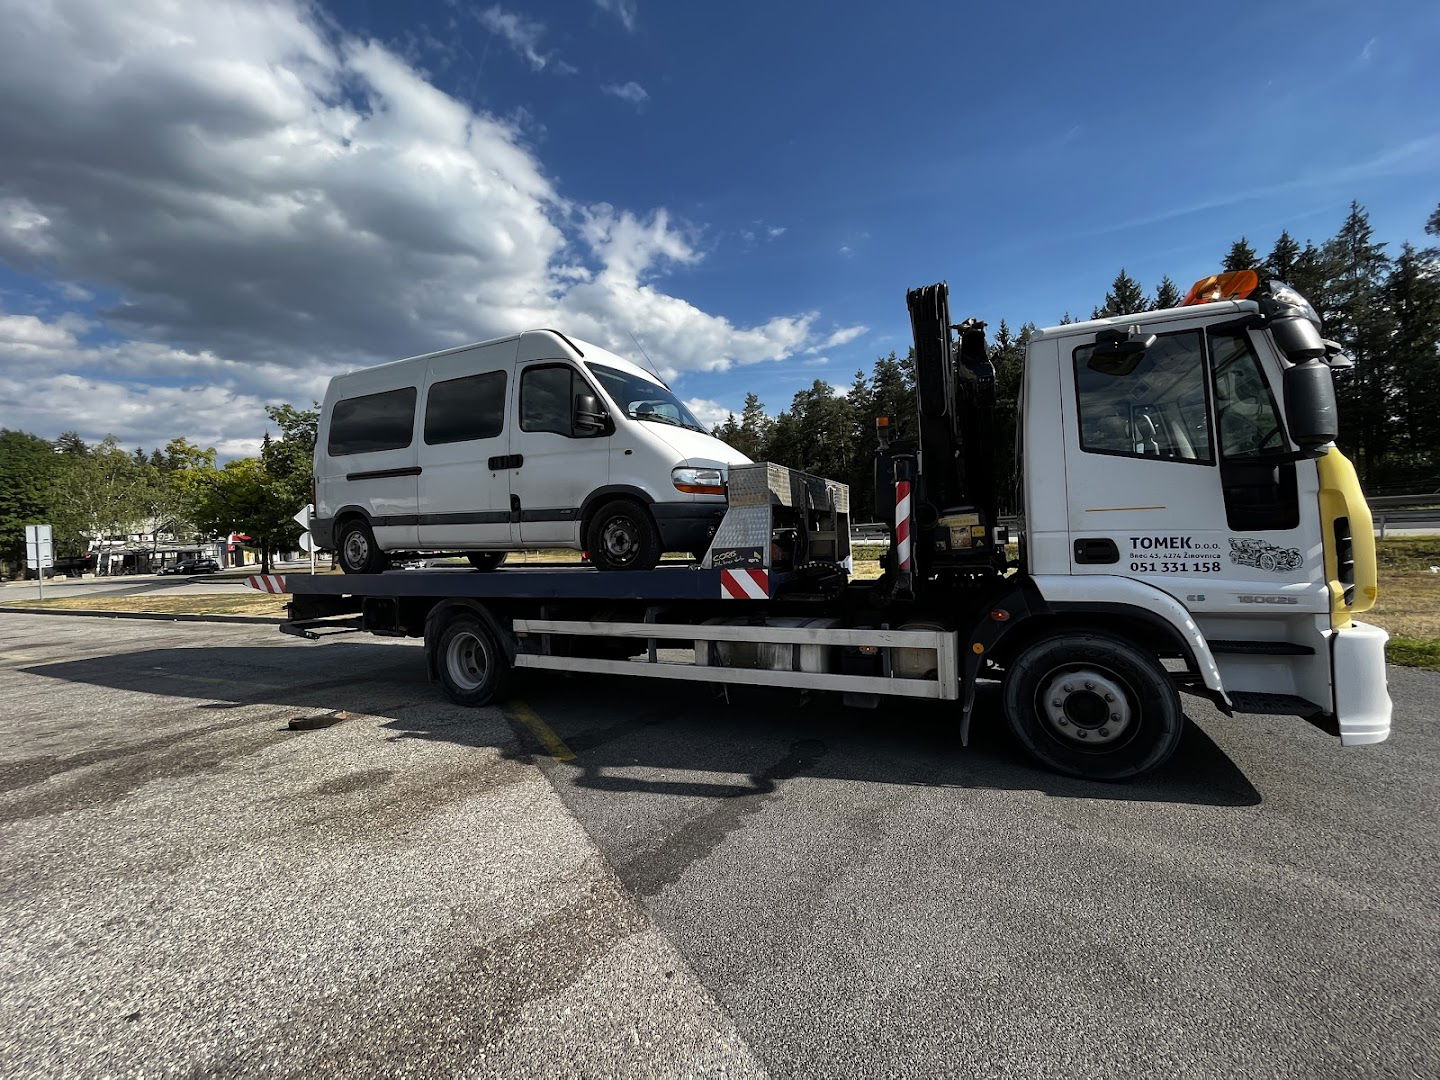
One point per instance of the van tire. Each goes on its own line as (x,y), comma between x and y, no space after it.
(356,550)
(470,661)
(1092,705)
(622,536)
(486,560)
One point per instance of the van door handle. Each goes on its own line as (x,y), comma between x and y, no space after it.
(1094,550)
(506,461)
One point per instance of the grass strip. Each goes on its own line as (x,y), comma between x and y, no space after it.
(196,604)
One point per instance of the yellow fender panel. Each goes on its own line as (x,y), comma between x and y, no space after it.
(1341,497)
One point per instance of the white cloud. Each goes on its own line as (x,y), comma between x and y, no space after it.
(842,336)
(273,202)
(819,361)
(776,231)
(624,10)
(631,91)
(708,412)
(522,35)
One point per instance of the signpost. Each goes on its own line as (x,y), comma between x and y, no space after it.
(39,553)
(307,542)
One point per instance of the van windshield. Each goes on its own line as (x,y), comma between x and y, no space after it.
(642,399)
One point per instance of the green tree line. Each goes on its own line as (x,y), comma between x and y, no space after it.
(1383,310)
(91,493)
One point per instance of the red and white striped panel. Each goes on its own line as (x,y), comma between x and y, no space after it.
(745,584)
(271,583)
(902,524)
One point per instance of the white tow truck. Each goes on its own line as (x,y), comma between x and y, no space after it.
(1188,525)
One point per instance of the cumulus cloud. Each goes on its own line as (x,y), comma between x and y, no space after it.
(707,411)
(624,10)
(631,91)
(842,336)
(267,201)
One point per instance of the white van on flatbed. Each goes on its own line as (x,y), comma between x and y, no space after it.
(532,441)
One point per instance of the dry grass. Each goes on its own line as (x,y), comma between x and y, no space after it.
(189,604)
(1409,601)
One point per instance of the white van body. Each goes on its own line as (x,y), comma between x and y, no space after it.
(481,449)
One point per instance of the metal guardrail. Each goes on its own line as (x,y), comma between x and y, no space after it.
(1401,502)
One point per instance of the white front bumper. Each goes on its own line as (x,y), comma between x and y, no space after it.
(1362,699)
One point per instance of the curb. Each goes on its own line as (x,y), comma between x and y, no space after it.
(153,616)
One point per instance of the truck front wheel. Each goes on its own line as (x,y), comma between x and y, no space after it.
(1093,705)
(470,661)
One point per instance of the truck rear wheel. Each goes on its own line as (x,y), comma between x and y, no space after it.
(470,661)
(1093,705)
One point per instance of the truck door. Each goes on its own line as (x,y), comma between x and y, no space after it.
(557,464)
(465,482)
(1175,473)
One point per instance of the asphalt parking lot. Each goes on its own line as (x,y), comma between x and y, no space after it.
(613,879)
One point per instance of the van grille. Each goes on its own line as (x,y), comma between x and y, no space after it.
(1345,559)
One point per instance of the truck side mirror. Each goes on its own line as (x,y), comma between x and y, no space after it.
(1310,404)
(589,418)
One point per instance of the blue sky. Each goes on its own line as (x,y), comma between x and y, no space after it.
(743,187)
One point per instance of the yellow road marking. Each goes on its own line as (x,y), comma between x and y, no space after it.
(554,745)
(17,657)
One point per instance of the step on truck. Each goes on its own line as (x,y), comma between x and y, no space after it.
(1187,525)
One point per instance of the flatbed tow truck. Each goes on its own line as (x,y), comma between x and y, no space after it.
(1188,526)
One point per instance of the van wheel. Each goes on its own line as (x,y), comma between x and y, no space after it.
(1092,705)
(486,560)
(356,550)
(473,667)
(621,536)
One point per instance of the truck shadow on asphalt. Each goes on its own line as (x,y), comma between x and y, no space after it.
(651,737)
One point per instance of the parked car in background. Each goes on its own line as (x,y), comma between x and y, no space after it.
(192,566)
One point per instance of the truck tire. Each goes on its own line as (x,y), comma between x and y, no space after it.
(471,663)
(622,536)
(356,550)
(486,560)
(1093,705)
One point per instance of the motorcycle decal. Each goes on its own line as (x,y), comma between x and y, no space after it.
(1249,551)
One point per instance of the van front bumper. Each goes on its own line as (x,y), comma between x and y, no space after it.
(1362,697)
(687,526)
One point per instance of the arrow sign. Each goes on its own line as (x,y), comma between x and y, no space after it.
(303,517)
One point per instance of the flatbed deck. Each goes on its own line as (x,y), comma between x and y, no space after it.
(543,583)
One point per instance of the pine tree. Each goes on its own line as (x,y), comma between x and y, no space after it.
(1167,295)
(1241,256)
(1358,319)
(1412,295)
(1280,263)
(1125,297)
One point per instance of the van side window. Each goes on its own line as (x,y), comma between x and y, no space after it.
(458,410)
(547,399)
(1156,408)
(374,422)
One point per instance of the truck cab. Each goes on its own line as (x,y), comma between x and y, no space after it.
(1182,463)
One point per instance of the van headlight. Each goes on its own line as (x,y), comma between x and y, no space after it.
(696,481)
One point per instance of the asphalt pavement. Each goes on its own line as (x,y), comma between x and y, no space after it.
(619,878)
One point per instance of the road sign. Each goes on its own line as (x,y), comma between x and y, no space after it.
(303,517)
(39,553)
(39,547)
(307,542)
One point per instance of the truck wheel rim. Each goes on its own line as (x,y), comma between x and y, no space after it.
(621,539)
(357,549)
(1086,707)
(468,660)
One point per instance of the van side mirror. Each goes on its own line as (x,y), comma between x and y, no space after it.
(589,418)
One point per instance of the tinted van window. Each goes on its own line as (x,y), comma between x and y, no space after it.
(364,425)
(458,410)
(547,397)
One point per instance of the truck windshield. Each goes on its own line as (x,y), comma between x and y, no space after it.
(641,399)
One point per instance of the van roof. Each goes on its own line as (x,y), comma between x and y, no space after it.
(582,348)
